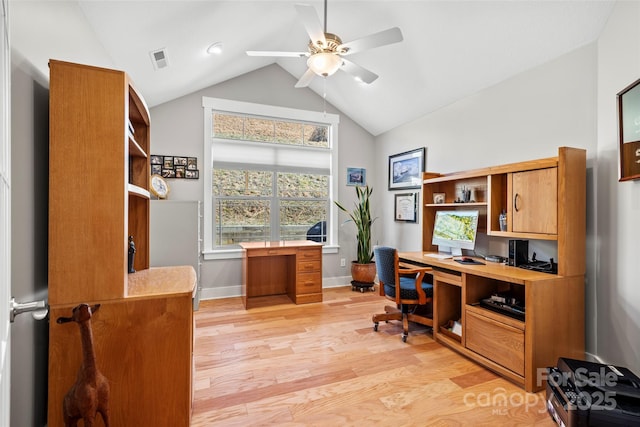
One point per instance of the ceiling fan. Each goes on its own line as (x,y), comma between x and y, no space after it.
(326,53)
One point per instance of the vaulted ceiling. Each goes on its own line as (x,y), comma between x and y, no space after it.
(451,49)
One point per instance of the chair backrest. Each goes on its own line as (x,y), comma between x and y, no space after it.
(386,265)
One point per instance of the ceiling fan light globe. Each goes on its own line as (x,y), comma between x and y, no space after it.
(324,63)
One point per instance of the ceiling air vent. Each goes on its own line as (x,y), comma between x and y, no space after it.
(159,59)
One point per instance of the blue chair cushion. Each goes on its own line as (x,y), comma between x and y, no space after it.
(408,289)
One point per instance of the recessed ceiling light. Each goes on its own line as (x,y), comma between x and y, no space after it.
(215,48)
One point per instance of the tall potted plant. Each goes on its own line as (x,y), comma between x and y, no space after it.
(363,269)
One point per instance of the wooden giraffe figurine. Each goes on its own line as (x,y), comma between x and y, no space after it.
(90,393)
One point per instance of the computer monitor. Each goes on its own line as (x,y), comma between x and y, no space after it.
(455,230)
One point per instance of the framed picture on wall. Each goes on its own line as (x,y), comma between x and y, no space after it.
(406,207)
(405,169)
(629,130)
(356,176)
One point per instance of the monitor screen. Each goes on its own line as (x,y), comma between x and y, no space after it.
(455,230)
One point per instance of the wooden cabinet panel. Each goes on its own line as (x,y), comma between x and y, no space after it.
(535,201)
(142,347)
(497,341)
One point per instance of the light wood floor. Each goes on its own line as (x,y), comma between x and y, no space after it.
(323,365)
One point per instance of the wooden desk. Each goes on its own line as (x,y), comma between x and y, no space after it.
(292,268)
(518,350)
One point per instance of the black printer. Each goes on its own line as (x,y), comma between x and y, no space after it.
(581,393)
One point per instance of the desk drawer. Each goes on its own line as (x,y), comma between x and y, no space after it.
(494,340)
(270,252)
(308,283)
(310,254)
(308,266)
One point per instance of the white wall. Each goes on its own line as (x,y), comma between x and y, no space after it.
(617,292)
(524,118)
(177,129)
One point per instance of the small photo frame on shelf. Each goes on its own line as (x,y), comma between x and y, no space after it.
(356,176)
(406,207)
(439,198)
(405,169)
(629,130)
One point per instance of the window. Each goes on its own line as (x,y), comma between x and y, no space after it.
(268,175)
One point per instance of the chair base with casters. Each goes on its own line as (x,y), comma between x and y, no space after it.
(403,285)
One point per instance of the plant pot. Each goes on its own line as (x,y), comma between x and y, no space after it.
(363,273)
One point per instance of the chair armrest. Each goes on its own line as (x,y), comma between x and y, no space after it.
(419,272)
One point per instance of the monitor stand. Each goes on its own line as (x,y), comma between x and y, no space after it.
(450,250)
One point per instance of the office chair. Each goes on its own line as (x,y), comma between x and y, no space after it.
(404,286)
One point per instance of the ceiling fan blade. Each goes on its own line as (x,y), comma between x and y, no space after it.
(392,35)
(275,53)
(358,72)
(306,78)
(311,23)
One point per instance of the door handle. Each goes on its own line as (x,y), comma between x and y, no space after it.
(38,309)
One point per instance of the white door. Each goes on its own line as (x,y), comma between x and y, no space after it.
(5,217)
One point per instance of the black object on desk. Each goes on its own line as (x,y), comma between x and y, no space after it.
(465,260)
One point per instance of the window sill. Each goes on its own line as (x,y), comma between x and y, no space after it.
(236,253)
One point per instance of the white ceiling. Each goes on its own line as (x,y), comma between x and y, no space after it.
(451,49)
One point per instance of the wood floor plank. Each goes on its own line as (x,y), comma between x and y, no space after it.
(322,364)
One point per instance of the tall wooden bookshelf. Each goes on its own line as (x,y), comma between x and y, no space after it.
(98,196)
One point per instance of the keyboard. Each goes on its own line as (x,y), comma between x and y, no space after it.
(439,256)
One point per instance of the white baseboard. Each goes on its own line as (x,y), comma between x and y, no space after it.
(236,290)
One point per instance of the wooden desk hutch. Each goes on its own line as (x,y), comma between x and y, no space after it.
(98,196)
(544,200)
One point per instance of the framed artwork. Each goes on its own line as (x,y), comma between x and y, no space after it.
(405,169)
(438,198)
(356,176)
(406,207)
(174,166)
(629,130)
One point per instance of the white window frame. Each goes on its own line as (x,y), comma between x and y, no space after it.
(269,111)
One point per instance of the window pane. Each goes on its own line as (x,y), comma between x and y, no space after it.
(298,185)
(241,221)
(228,126)
(288,133)
(230,182)
(297,217)
(316,135)
(259,129)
